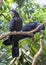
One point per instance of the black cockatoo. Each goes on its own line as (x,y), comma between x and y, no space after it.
(15,25)
(31,26)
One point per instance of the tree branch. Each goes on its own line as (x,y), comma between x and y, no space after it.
(21,32)
(37,55)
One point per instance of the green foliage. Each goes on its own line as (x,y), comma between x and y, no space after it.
(40,15)
(29,12)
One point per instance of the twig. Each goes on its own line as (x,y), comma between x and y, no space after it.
(12,61)
(37,55)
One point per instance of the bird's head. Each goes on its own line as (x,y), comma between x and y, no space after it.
(14,13)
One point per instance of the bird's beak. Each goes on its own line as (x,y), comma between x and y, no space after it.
(12,14)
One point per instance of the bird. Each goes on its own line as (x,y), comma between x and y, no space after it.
(15,25)
(31,26)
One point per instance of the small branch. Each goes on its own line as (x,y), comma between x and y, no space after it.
(27,56)
(21,32)
(37,55)
(12,61)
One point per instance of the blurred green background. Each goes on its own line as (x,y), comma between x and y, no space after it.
(29,12)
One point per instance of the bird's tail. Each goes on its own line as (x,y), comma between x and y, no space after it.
(15,52)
